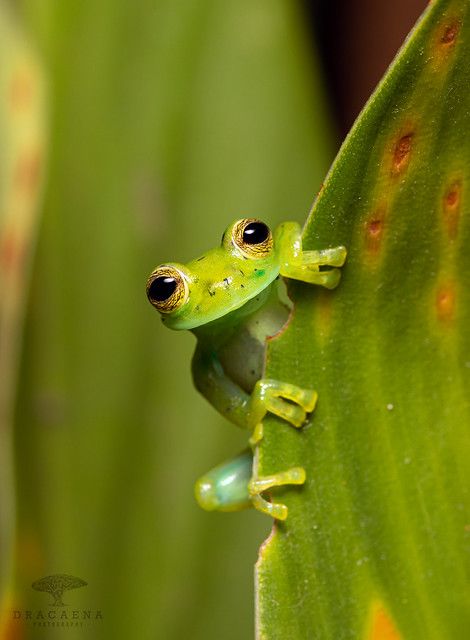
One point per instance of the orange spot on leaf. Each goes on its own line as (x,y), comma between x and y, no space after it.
(382,626)
(401,153)
(374,230)
(451,207)
(452,198)
(444,42)
(445,302)
(450,33)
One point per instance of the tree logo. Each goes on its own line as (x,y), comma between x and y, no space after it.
(57,584)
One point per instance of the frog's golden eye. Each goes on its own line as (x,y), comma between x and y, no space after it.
(167,289)
(252,237)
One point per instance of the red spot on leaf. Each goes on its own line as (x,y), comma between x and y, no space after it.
(451,208)
(445,303)
(374,231)
(443,43)
(401,153)
(450,33)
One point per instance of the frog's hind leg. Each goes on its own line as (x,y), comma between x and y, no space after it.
(257,485)
(232,486)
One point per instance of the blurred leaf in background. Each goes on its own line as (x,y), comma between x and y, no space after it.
(22,161)
(169,119)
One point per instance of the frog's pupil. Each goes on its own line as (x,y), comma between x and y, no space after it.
(162,288)
(255,233)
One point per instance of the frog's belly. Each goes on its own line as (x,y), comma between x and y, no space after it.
(242,359)
(243,356)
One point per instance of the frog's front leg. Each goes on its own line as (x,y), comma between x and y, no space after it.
(305,265)
(285,400)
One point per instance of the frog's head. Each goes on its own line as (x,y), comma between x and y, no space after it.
(220,281)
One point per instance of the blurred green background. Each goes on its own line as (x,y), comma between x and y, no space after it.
(168,119)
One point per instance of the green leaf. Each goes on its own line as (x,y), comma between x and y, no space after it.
(375,540)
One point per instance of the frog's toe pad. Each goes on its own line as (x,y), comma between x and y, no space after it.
(309,400)
(296,475)
(273,509)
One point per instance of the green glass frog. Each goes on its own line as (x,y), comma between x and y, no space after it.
(229,298)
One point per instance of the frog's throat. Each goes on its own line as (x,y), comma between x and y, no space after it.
(237,314)
(230,310)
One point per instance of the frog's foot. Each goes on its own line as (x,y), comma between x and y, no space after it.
(256,486)
(285,400)
(306,267)
(333,257)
